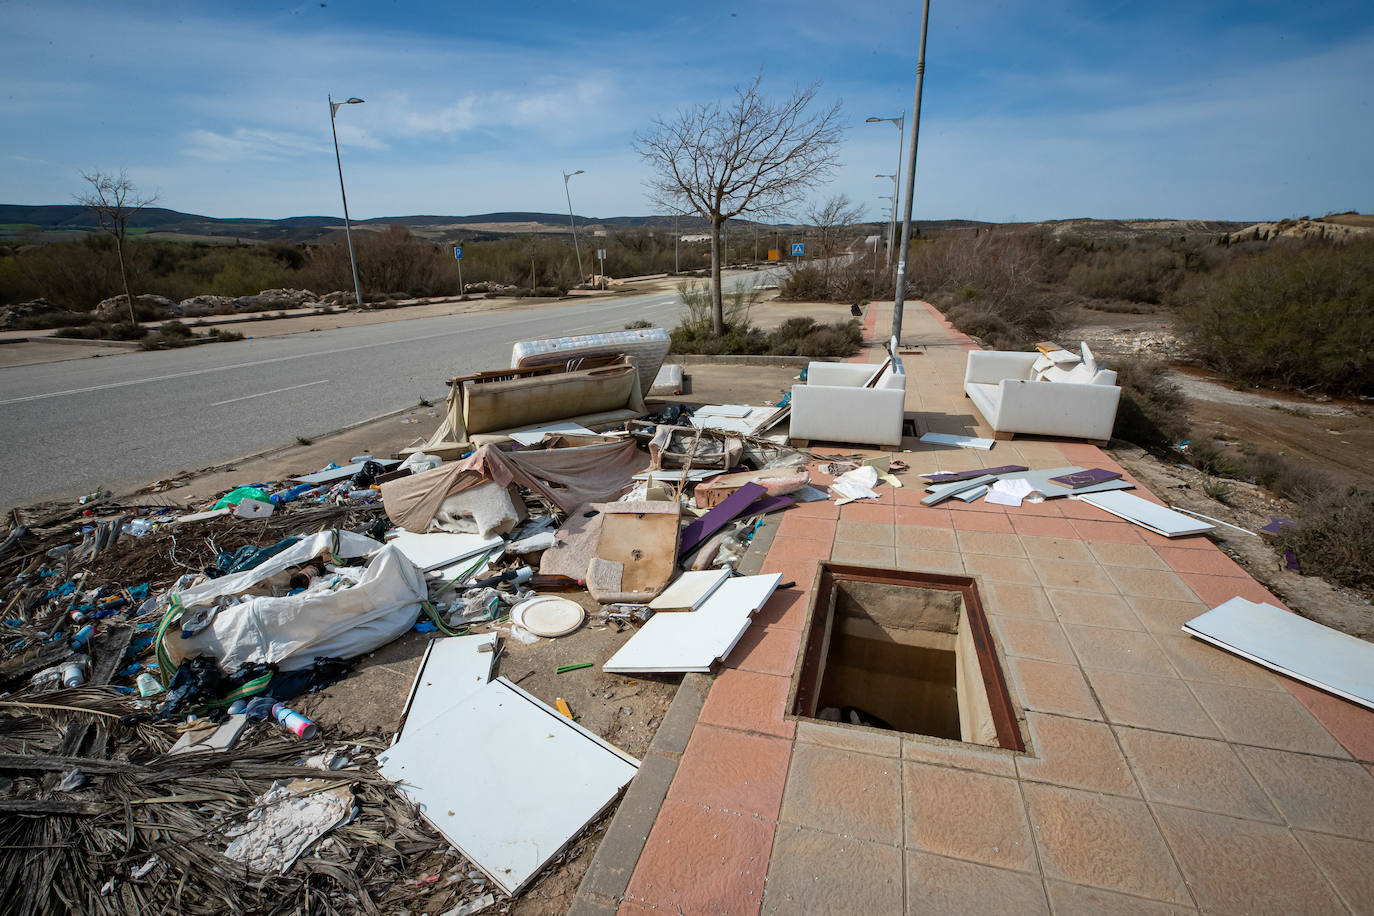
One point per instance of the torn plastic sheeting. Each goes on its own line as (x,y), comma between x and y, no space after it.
(293,630)
(487,509)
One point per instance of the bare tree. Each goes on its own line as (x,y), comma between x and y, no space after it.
(749,156)
(833,220)
(114,198)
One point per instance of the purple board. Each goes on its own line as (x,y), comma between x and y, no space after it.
(1079,479)
(769,503)
(734,504)
(952,476)
(1276,525)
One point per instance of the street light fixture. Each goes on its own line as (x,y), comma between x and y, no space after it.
(891,223)
(567,176)
(900,123)
(348,226)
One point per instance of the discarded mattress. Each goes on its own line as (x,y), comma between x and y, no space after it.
(694,640)
(543,779)
(291,631)
(1284,642)
(644,347)
(667,383)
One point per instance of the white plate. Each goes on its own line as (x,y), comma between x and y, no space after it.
(548,615)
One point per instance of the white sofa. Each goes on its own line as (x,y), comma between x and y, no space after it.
(834,405)
(1016,395)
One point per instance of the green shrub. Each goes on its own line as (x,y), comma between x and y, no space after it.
(1152,412)
(1334,537)
(1299,315)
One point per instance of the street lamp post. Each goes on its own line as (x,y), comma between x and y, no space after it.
(892,222)
(576,248)
(899,294)
(348,226)
(900,123)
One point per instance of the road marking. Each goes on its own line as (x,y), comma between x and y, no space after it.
(249,397)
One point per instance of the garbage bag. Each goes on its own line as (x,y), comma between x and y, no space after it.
(292,631)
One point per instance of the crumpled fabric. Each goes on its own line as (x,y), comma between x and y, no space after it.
(284,824)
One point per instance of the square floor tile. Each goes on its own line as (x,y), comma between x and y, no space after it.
(1056,549)
(733,771)
(792,550)
(1092,609)
(926,538)
(1194,773)
(857,738)
(1102,841)
(867,510)
(814,872)
(995,543)
(767,650)
(1210,562)
(1345,862)
(966,815)
(865,533)
(1098,531)
(1088,577)
(699,860)
(1028,638)
(801,526)
(936,884)
(1214,590)
(1161,703)
(1267,718)
(1014,600)
(960,755)
(748,701)
(845,793)
(1001,569)
(1240,866)
(922,516)
(1111,553)
(1129,651)
(1047,687)
(940,561)
(864,554)
(1043,526)
(786,608)
(967,519)
(1149,583)
(1076,753)
(1351,725)
(1316,793)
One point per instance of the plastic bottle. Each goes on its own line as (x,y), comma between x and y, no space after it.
(82,635)
(148,685)
(74,671)
(138,527)
(294,722)
(296,492)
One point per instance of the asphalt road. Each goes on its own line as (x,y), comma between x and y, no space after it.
(71,427)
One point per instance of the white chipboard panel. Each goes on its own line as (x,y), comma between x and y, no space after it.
(453,669)
(1146,514)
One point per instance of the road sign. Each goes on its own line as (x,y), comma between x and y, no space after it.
(797,249)
(458,252)
(601,254)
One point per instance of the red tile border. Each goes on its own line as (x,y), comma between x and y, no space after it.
(748,701)
(1351,725)
(1040,526)
(1213,590)
(766,650)
(699,860)
(733,771)
(866,510)
(785,610)
(981,521)
(1207,562)
(923,517)
(794,525)
(1117,532)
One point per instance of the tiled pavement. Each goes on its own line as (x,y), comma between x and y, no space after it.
(1162,775)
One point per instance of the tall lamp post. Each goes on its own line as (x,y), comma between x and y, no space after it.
(899,297)
(900,123)
(348,226)
(892,222)
(567,176)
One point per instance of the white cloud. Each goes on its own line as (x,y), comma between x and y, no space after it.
(247,143)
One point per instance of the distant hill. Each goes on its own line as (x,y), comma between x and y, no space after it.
(59,221)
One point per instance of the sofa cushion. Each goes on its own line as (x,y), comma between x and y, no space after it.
(1088,359)
(987,398)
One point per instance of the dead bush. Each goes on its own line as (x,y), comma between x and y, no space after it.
(1334,537)
(1152,412)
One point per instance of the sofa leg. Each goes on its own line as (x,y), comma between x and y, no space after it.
(1101,443)
(1001,436)
(799,443)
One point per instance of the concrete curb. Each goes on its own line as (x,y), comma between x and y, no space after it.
(692,358)
(75,342)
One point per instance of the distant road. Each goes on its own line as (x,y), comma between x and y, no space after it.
(115,422)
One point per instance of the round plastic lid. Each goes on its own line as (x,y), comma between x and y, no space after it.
(548,615)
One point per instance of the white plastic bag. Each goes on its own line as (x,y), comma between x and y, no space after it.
(856,484)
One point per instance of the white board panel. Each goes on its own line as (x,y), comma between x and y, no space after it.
(507,780)
(724,410)
(690,589)
(942,492)
(452,670)
(957,441)
(1146,514)
(1300,648)
(336,474)
(531,436)
(430,551)
(692,641)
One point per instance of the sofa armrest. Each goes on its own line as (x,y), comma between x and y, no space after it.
(991,366)
(844,375)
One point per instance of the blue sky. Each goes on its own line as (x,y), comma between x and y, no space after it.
(1053,109)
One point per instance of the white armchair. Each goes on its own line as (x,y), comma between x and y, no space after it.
(1014,397)
(835,406)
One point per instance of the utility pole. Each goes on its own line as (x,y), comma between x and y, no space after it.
(677,237)
(348,226)
(899,294)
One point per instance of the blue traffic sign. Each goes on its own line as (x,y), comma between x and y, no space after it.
(458,252)
(797,249)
